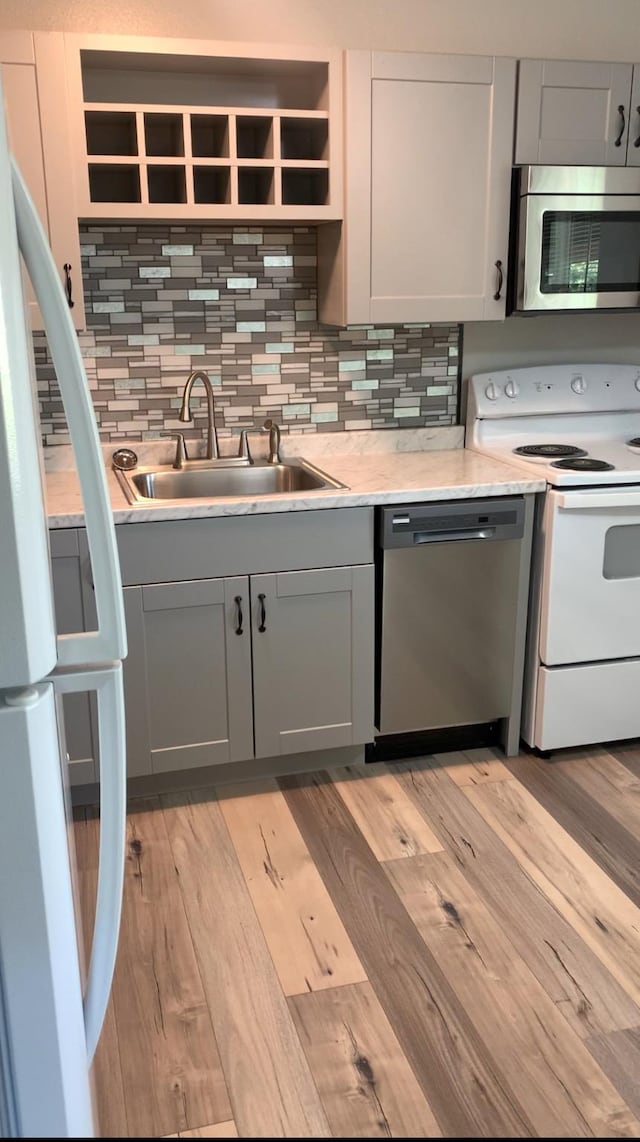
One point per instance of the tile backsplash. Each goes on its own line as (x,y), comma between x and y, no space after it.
(240,302)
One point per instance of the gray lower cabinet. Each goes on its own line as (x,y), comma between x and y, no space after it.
(313,659)
(188,675)
(223,670)
(73,609)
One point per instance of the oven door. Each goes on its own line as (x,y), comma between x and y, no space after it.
(590,607)
(578,251)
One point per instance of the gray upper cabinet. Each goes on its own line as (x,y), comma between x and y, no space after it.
(633,142)
(188,675)
(312,659)
(72,607)
(578,113)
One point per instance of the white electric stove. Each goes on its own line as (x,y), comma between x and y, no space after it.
(579,427)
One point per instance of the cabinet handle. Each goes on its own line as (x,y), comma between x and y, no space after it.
(500,279)
(618,141)
(68,284)
(637,141)
(262,625)
(238,603)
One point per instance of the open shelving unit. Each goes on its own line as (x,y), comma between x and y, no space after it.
(207,136)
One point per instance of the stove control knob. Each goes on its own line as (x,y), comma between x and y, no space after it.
(492,392)
(511,389)
(637,382)
(579,385)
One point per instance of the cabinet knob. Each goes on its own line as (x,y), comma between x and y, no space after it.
(623,124)
(68,284)
(262,625)
(499,280)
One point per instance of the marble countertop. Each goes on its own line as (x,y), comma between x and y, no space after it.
(371,476)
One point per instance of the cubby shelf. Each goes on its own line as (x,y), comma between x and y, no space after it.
(222,157)
(212,134)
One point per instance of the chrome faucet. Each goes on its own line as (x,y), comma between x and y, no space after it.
(185,412)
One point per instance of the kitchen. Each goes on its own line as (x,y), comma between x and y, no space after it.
(279,995)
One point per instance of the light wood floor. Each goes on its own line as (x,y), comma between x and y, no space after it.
(450,947)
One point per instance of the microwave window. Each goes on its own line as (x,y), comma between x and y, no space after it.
(585,252)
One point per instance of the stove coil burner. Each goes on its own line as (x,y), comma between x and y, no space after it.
(583,464)
(549,451)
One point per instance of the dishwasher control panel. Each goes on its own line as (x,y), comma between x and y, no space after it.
(452,522)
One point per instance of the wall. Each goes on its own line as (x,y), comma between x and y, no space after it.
(551,339)
(569,29)
(240,302)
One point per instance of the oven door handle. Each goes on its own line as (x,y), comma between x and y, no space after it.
(575,501)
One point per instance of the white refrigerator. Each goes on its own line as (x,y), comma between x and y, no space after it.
(49,1022)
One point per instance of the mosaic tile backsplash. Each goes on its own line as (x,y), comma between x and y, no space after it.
(240,302)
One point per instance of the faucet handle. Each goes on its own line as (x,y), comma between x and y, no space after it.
(274,440)
(243,448)
(181,448)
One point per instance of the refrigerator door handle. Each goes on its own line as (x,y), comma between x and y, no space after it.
(109,641)
(107,683)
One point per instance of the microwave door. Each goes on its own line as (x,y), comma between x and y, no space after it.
(578,252)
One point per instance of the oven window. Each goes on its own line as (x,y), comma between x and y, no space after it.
(622,552)
(590,252)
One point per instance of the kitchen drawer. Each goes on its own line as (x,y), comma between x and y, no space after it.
(244,545)
(577,705)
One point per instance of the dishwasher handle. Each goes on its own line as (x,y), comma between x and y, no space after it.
(452,536)
(412,525)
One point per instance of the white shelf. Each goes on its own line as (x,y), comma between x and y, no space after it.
(194,129)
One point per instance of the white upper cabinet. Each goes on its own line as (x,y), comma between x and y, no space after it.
(35,101)
(190,129)
(429,142)
(578,113)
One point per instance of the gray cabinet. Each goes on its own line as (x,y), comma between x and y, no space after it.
(188,675)
(312,659)
(576,112)
(288,656)
(204,685)
(74,612)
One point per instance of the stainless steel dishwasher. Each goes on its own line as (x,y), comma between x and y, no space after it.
(447,612)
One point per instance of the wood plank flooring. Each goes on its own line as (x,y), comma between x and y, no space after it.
(449,947)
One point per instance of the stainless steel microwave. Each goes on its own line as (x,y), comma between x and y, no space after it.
(576,243)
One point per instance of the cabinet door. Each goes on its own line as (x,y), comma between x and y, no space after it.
(79,725)
(187,675)
(569,112)
(633,143)
(64,234)
(429,144)
(36,107)
(312,659)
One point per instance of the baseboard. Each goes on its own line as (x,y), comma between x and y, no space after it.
(399,747)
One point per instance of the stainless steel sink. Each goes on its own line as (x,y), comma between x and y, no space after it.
(259,479)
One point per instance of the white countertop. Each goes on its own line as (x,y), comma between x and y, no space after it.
(371,478)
